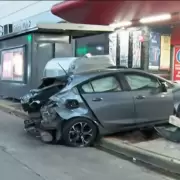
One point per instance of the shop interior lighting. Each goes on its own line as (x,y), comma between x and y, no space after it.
(162,17)
(121,24)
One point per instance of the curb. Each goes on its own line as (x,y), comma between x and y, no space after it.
(11,110)
(155,160)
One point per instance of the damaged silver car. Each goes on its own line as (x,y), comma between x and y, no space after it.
(107,100)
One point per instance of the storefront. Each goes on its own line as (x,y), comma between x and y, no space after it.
(25,54)
(146,36)
(147,48)
(154,48)
(143,47)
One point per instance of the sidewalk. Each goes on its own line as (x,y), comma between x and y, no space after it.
(12,108)
(157,152)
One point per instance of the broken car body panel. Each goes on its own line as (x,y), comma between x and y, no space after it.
(64,112)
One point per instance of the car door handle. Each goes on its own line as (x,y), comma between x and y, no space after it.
(97,99)
(140,97)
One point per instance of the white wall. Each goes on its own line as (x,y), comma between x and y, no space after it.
(13,11)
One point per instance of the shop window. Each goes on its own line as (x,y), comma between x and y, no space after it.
(95,49)
(12,64)
(96,45)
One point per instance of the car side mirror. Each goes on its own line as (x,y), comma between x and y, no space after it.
(163,87)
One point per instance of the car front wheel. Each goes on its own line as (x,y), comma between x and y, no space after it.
(79,132)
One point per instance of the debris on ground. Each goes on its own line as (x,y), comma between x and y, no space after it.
(171,131)
(137,135)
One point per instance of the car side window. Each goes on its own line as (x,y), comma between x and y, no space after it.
(87,88)
(140,82)
(105,84)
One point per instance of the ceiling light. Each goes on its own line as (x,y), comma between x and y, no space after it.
(161,17)
(121,24)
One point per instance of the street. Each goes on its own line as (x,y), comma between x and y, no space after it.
(25,157)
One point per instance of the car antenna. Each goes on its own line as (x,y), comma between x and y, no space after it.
(63,69)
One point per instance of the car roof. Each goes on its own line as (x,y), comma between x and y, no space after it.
(98,72)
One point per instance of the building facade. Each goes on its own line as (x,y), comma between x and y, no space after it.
(146,36)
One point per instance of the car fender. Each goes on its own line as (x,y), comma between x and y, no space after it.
(67,114)
(86,117)
(79,113)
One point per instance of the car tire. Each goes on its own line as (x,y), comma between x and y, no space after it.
(83,138)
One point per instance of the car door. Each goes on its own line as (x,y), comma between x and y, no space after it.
(151,104)
(112,106)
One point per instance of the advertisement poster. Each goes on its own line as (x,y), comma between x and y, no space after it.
(7,66)
(176,65)
(124,47)
(165,52)
(136,45)
(154,50)
(113,46)
(12,64)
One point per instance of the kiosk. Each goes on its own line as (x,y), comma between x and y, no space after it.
(25,54)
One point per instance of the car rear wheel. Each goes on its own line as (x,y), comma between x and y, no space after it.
(79,132)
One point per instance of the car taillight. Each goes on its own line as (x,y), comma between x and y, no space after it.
(71,104)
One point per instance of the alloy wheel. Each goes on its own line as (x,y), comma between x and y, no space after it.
(80,134)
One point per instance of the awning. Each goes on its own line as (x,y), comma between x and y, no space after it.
(106,12)
(75,30)
(67,29)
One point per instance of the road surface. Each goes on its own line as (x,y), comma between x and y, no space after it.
(25,157)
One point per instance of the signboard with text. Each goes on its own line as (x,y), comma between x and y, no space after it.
(176,65)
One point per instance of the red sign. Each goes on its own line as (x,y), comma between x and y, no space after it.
(176,65)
